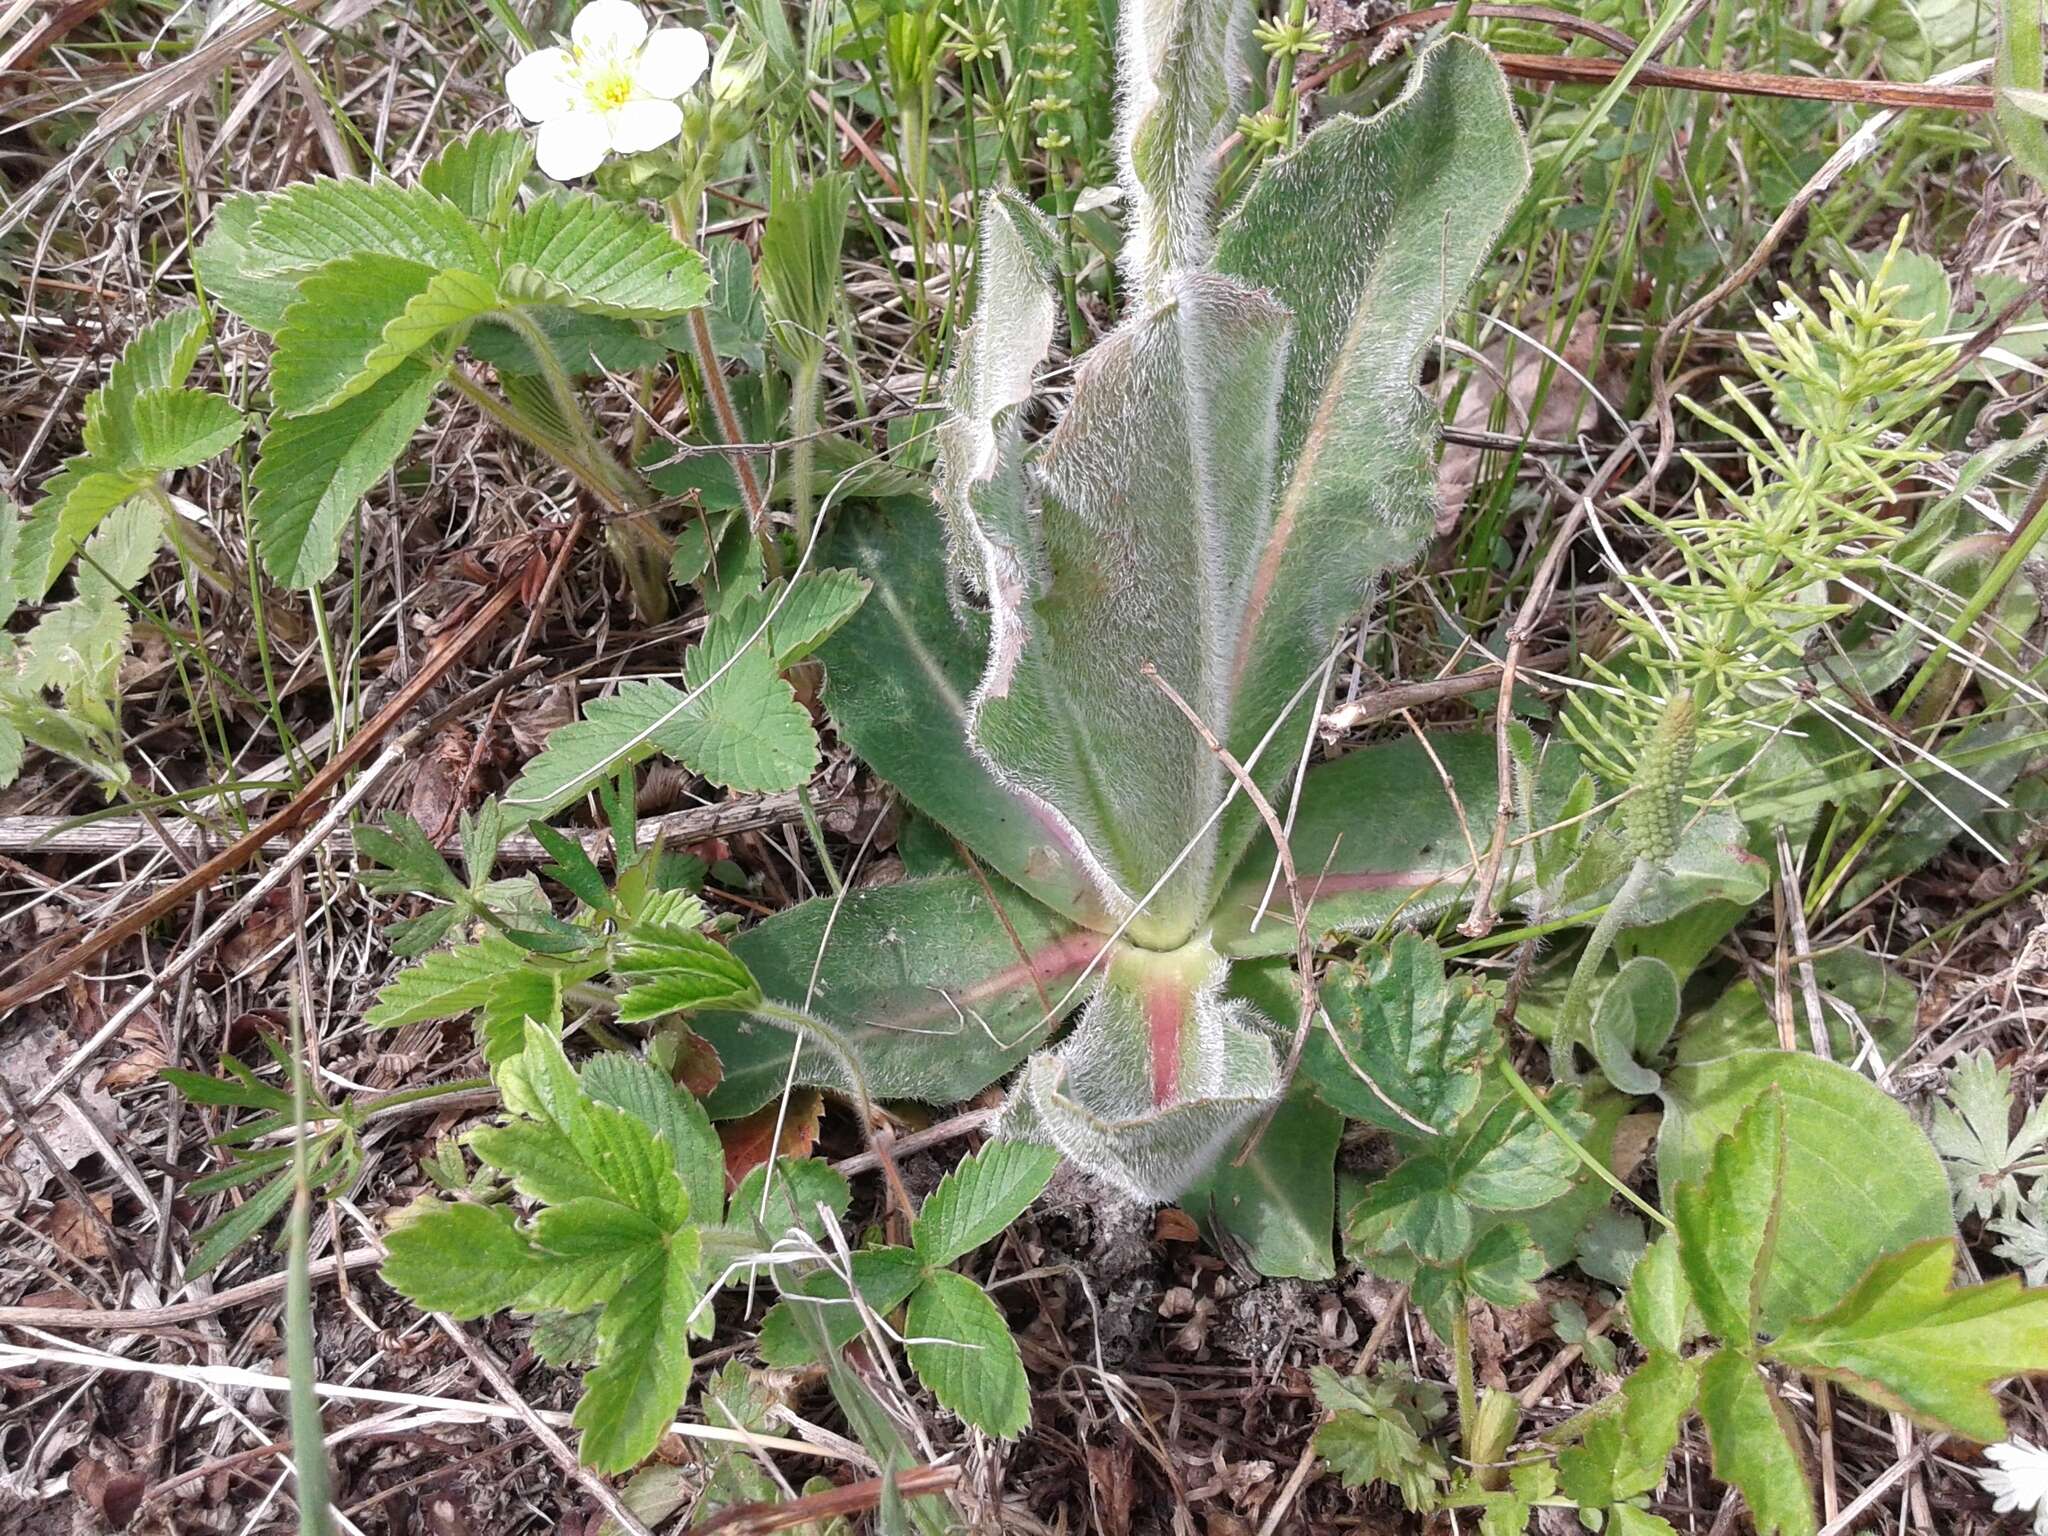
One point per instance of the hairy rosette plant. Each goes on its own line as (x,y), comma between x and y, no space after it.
(1239,460)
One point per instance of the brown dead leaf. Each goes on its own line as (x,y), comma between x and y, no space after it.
(113,1496)
(1174,1225)
(1566,407)
(697,1066)
(749,1142)
(1109,1476)
(440,788)
(74,1231)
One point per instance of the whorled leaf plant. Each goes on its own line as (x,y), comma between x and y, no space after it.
(1239,461)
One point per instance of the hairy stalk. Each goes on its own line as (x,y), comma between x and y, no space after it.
(1461,1361)
(1576,1017)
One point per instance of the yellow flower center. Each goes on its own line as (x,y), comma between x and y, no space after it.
(608,83)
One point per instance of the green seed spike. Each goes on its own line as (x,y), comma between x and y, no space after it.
(1656,810)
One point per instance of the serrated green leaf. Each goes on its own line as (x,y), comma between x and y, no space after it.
(590,1247)
(1628,1443)
(1505,1159)
(979,1198)
(233,274)
(463,1259)
(160,357)
(645,1092)
(745,729)
(481,174)
(119,554)
(1420,1039)
(314,469)
(311,224)
(1861,1180)
(616,731)
(588,254)
(799,1187)
(963,1351)
(813,610)
(817,1309)
(177,428)
(1905,1340)
(1728,1222)
(449,982)
(582,344)
(1755,1443)
(73,503)
(1373,1434)
(359,317)
(631,1395)
(1973,1133)
(1659,1300)
(675,970)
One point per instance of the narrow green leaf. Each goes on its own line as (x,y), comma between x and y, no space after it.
(1905,1340)
(1755,1445)
(239,1225)
(314,469)
(817,1309)
(464,1259)
(979,1199)
(1728,1222)
(963,1351)
(73,503)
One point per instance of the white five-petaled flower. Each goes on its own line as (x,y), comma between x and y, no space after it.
(2019,1481)
(612,91)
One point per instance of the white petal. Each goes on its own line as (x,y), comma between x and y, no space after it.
(608,26)
(639,125)
(572,145)
(671,61)
(542,85)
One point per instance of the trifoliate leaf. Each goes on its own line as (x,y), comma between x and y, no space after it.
(588,254)
(643,1363)
(963,1350)
(1374,1435)
(1754,1443)
(1973,1134)
(979,1199)
(314,469)
(481,174)
(1728,1223)
(1419,1038)
(464,1259)
(1905,1340)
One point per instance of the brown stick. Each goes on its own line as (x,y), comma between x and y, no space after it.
(179,1314)
(1863,93)
(53,972)
(853,1499)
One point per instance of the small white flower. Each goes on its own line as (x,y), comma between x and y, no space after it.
(2019,1481)
(612,91)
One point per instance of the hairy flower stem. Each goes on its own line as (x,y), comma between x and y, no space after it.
(1574,1022)
(728,419)
(1461,1361)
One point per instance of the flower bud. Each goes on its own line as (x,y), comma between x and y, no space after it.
(1656,808)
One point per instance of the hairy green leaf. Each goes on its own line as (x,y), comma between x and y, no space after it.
(671,970)
(481,174)
(463,1259)
(310,224)
(1181,85)
(643,1362)
(360,317)
(937,992)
